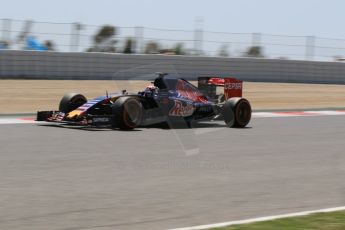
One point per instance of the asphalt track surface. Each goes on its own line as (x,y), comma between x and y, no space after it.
(69,178)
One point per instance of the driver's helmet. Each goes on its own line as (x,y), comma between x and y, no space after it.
(159,82)
(151,87)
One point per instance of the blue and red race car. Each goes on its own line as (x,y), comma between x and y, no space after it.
(170,100)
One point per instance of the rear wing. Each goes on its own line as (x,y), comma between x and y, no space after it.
(232,87)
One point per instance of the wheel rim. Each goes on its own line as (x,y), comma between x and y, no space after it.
(132,113)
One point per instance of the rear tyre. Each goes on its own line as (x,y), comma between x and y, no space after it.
(71,101)
(228,114)
(127,113)
(241,112)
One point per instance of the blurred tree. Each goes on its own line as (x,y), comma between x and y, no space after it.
(104,40)
(129,46)
(223,51)
(49,45)
(254,51)
(104,33)
(179,49)
(152,48)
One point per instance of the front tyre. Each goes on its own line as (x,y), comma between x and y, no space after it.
(127,113)
(71,101)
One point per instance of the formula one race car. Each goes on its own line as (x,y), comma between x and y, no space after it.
(167,100)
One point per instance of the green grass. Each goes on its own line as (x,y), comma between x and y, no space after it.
(319,221)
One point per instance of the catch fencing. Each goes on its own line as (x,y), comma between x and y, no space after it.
(79,37)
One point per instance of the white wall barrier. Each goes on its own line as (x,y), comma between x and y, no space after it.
(96,66)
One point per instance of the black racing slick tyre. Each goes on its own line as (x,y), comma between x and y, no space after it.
(237,112)
(127,113)
(71,101)
(228,114)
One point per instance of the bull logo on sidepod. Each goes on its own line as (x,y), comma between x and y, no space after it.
(181,111)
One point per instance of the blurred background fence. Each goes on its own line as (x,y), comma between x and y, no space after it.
(78,37)
(106,66)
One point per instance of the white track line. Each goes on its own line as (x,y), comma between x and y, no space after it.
(260,219)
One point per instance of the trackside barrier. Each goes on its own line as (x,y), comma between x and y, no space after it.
(103,66)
